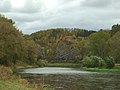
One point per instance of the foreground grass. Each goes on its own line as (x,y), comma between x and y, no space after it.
(6,85)
(8,81)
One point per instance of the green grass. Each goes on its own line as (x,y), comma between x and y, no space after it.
(9,81)
(114,70)
(5,85)
(67,65)
(27,66)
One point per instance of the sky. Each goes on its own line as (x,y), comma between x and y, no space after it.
(34,15)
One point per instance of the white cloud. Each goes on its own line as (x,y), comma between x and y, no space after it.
(16,3)
(5,6)
(33,15)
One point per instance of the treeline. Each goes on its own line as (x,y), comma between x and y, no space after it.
(56,45)
(64,44)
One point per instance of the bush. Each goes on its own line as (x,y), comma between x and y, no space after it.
(87,62)
(102,63)
(110,63)
(93,61)
(42,63)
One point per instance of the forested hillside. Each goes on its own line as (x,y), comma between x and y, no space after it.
(56,45)
(61,43)
(65,44)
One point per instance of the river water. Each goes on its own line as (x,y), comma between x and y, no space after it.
(72,79)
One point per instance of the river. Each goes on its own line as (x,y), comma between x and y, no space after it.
(71,78)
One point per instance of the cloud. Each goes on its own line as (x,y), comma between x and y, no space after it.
(30,6)
(23,17)
(36,15)
(101,3)
(5,6)
(97,3)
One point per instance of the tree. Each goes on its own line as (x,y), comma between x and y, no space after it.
(110,63)
(114,43)
(10,42)
(99,43)
(84,49)
(115,29)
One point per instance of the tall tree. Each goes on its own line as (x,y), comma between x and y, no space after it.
(10,42)
(114,43)
(99,43)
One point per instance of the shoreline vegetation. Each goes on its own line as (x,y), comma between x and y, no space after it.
(116,69)
(10,81)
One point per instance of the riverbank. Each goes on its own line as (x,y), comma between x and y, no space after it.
(6,85)
(9,81)
(67,65)
(116,69)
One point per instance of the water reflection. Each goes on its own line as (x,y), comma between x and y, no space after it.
(72,79)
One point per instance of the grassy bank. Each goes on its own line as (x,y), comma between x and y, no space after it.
(67,65)
(9,81)
(114,70)
(6,85)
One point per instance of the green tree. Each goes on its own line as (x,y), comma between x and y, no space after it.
(10,42)
(110,63)
(30,51)
(115,29)
(84,49)
(99,43)
(114,43)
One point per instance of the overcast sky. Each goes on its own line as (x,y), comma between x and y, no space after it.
(34,15)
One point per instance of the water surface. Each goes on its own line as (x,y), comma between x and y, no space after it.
(72,79)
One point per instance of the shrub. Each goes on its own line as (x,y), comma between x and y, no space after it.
(102,63)
(42,63)
(93,61)
(87,62)
(110,63)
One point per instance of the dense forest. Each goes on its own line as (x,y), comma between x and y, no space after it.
(56,45)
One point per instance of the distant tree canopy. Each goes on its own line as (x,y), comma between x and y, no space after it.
(115,29)
(60,43)
(73,43)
